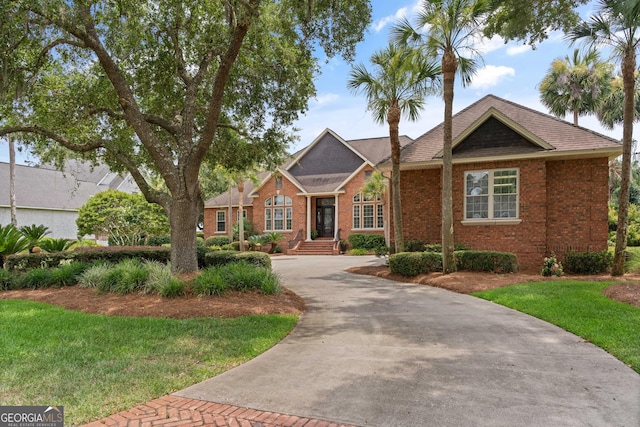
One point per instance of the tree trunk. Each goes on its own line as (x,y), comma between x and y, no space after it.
(240,216)
(12,181)
(449,66)
(183,218)
(393,118)
(628,69)
(575,117)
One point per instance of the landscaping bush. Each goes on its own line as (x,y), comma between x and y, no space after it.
(67,274)
(498,262)
(358,251)
(414,245)
(89,255)
(95,276)
(218,258)
(590,262)
(126,277)
(414,263)
(209,282)
(437,247)
(366,241)
(50,244)
(216,241)
(35,278)
(159,240)
(160,280)
(551,266)
(7,280)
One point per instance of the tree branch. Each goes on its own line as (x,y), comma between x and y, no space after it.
(153,196)
(78,148)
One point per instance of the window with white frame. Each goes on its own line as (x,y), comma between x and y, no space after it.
(278,213)
(491,194)
(244,214)
(221,221)
(368,213)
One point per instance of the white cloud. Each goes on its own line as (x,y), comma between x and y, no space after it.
(491,75)
(518,49)
(485,45)
(326,98)
(383,22)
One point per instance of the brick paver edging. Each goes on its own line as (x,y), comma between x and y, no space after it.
(175,411)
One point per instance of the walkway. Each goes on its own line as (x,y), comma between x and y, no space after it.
(370,352)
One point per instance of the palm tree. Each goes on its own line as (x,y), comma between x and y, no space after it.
(617,25)
(398,87)
(452,28)
(610,112)
(578,84)
(375,188)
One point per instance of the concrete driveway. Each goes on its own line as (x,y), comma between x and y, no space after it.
(373,352)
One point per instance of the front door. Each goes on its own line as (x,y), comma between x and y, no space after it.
(325,217)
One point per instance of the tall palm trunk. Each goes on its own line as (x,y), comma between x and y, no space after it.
(393,118)
(449,66)
(12,181)
(628,69)
(240,214)
(230,215)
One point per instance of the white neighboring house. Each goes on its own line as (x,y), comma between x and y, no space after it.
(47,196)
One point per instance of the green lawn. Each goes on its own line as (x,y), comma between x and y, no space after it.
(97,365)
(580,308)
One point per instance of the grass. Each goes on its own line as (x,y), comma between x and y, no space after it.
(97,365)
(580,308)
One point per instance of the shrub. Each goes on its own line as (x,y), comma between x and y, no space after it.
(95,276)
(159,240)
(12,242)
(590,262)
(50,244)
(259,259)
(34,233)
(498,262)
(7,280)
(89,255)
(217,258)
(209,282)
(366,241)
(161,281)
(414,246)
(67,274)
(414,263)
(35,278)
(216,241)
(551,266)
(241,276)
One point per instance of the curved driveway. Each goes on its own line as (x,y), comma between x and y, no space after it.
(372,352)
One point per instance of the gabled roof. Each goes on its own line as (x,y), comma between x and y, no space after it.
(46,188)
(222,200)
(549,136)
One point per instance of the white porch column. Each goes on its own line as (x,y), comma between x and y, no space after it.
(308,218)
(336,221)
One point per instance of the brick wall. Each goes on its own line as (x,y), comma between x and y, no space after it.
(345,206)
(210,220)
(562,205)
(299,206)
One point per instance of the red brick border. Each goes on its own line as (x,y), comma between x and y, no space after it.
(175,411)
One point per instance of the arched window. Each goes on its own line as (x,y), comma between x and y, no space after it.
(278,213)
(367,212)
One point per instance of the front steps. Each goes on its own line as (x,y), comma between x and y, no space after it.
(315,247)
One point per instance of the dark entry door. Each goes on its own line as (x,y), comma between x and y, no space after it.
(325,217)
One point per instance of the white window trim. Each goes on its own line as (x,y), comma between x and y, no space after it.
(360,205)
(491,220)
(287,207)
(224,214)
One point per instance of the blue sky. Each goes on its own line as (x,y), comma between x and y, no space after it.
(511,71)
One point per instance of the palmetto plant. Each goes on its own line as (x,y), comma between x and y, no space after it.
(12,241)
(55,245)
(34,233)
(272,239)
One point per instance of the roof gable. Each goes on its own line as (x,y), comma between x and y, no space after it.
(493,137)
(328,154)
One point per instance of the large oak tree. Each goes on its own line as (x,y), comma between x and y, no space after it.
(161,86)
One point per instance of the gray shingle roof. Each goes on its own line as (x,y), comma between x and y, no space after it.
(222,200)
(561,136)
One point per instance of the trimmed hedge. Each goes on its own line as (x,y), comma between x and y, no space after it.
(366,241)
(88,255)
(216,241)
(218,258)
(590,262)
(414,263)
(497,262)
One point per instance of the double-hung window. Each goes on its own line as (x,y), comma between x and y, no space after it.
(221,221)
(491,194)
(368,213)
(278,213)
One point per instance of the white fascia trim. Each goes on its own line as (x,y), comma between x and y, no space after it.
(292,179)
(34,208)
(333,193)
